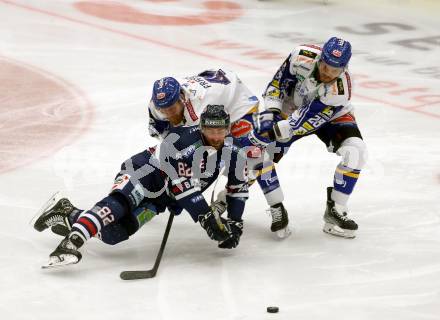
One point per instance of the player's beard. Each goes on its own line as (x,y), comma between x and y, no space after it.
(176,119)
(217,144)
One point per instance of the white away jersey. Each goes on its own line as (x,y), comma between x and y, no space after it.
(214,86)
(294,86)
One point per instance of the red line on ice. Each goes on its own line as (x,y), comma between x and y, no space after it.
(196,52)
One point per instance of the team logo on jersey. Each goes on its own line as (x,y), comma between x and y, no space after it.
(121,182)
(240,128)
(160,95)
(137,194)
(197,198)
(190,108)
(273,93)
(308,53)
(346,118)
(337,53)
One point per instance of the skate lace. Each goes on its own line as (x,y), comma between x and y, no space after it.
(54,220)
(70,245)
(343,216)
(276,214)
(65,206)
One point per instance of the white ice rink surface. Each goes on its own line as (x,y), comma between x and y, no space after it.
(75,78)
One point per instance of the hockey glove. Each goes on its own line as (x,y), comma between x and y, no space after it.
(264,122)
(282,130)
(215,229)
(263,134)
(236,230)
(174,208)
(258,140)
(218,207)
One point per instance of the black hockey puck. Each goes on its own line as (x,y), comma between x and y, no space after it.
(273,309)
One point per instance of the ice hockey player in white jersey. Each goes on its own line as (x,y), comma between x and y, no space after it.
(312,91)
(193,94)
(180,102)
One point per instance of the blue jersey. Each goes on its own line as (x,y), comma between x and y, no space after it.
(191,167)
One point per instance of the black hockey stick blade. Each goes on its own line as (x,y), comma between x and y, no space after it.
(146,274)
(136,275)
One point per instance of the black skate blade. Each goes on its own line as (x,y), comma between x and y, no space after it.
(136,275)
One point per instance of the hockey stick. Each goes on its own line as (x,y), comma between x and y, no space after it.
(146,274)
(217,216)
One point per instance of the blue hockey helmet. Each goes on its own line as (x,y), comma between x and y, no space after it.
(166,92)
(336,52)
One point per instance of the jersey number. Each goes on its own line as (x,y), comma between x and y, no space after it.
(106,215)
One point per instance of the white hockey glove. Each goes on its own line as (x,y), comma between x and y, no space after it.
(282,130)
(273,103)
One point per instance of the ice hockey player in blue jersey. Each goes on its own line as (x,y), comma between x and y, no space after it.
(172,176)
(312,91)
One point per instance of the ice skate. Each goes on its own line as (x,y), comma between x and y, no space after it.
(55,213)
(66,253)
(280,220)
(337,223)
(60,229)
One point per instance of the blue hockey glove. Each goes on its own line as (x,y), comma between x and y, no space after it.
(264,122)
(236,230)
(259,140)
(174,208)
(263,133)
(276,115)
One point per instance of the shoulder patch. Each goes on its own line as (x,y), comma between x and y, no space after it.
(340,85)
(240,128)
(308,53)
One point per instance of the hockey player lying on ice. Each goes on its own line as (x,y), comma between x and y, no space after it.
(172,176)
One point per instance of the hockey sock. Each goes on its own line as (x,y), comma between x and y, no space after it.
(106,211)
(73,217)
(343,184)
(268,180)
(121,230)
